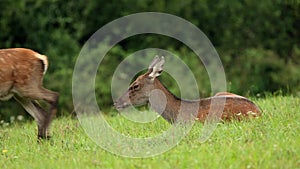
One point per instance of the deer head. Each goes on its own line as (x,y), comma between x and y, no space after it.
(139,91)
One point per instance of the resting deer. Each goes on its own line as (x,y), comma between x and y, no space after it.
(139,93)
(21,76)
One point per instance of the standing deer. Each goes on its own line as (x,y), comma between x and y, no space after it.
(21,77)
(139,93)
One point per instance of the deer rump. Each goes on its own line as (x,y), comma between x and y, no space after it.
(21,77)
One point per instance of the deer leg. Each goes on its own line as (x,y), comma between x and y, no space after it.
(50,97)
(37,92)
(37,113)
(40,93)
(43,128)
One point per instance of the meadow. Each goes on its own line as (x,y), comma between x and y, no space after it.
(271,141)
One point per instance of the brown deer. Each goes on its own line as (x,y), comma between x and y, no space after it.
(21,77)
(142,89)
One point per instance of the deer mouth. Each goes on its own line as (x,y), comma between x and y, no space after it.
(120,106)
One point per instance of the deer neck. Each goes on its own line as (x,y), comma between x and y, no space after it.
(169,106)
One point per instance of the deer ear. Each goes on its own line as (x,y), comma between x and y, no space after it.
(154,61)
(156,67)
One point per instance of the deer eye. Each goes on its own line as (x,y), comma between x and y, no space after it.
(136,87)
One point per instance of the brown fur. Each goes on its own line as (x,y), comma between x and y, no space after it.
(21,77)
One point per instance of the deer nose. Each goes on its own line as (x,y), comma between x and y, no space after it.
(116,104)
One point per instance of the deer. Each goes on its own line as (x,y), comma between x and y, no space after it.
(21,77)
(140,92)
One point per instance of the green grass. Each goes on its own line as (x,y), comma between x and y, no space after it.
(272,141)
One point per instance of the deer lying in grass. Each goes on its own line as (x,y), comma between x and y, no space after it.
(21,76)
(235,106)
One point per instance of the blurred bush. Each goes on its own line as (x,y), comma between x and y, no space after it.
(257,71)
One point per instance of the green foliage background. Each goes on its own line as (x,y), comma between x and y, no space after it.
(258,42)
